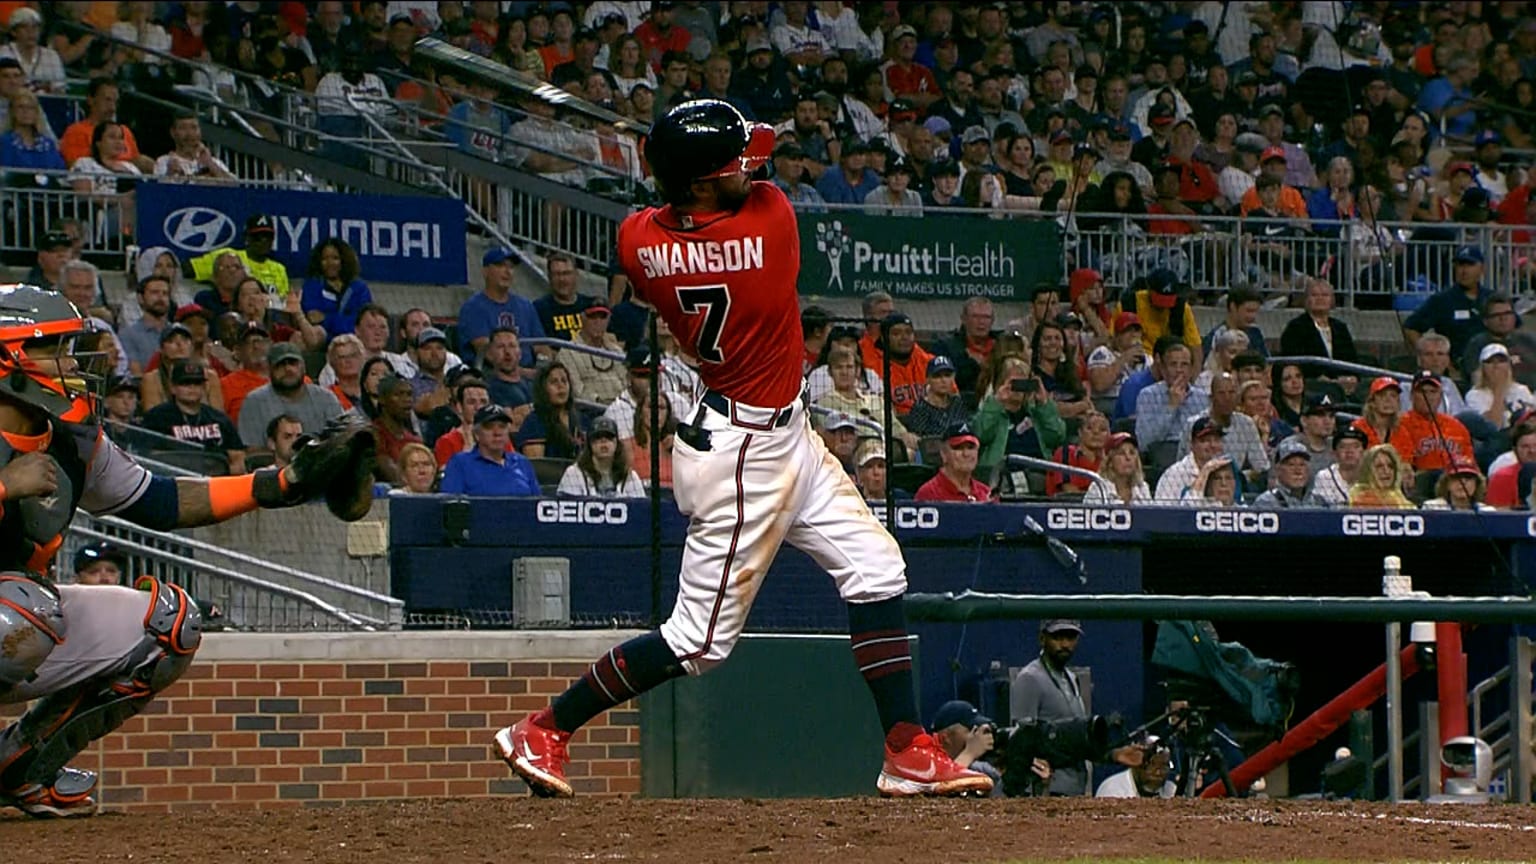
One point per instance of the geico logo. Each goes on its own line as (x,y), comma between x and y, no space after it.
(909,517)
(1382,525)
(1237,522)
(1087,519)
(583,512)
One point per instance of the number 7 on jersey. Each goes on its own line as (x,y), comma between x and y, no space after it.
(713,302)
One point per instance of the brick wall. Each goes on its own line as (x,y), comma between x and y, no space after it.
(268,732)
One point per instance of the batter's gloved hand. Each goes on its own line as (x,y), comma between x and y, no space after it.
(337,464)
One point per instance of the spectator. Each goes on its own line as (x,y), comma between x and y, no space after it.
(393,64)
(260,234)
(1085,289)
(895,197)
(42,66)
(120,414)
(790,174)
(956,479)
(1185,480)
(493,467)
(966,736)
(1110,365)
(1460,488)
(1123,481)
(345,357)
(1019,418)
(496,307)
(1332,484)
(328,35)
(968,346)
(1504,473)
(394,427)
(505,380)
(286,393)
(819,381)
(27,144)
(1333,204)
(560,310)
(418,473)
(1454,312)
(1236,180)
(1316,432)
(1165,409)
(847,397)
(905,78)
(1047,691)
(541,144)
(253,304)
(1489,151)
(429,386)
(1053,348)
(555,429)
(638,447)
(1317,333)
(840,433)
(1241,437)
(815,328)
(851,181)
(1500,324)
(764,82)
(1382,414)
(187,417)
(191,160)
(477,126)
(333,294)
(595,377)
(659,35)
(79,140)
(1150,778)
(1427,439)
(141,339)
(1380,483)
(1162,307)
(176,343)
(1292,480)
(469,396)
(98,563)
(107,174)
(602,469)
(250,349)
(53,252)
(942,405)
(1434,353)
(1089,453)
(1243,304)
(1272,164)
(1449,101)
(908,361)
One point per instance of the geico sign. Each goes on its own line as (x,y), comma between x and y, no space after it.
(1237,522)
(1087,519)
(908,516)
(583,512)
(1382,525)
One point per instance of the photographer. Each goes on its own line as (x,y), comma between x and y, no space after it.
(1147,780)
(967,736)
(1046,692)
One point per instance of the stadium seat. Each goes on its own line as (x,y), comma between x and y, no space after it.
(200,461)
(549,470)
(908,477)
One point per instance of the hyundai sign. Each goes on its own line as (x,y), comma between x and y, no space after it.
(397,238)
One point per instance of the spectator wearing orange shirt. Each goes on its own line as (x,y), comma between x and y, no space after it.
(638,447)
(908,360)
(876,307)
(1272,164)
(1428,439)
(956,479)
(101,107)
(251,352)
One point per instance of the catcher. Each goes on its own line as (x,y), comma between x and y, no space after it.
(94,656)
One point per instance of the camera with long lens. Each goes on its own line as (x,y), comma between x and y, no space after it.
(1058,742)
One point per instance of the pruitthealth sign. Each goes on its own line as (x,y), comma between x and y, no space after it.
(852,254)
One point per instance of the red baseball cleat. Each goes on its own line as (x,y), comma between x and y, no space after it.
(538,756)
(923,768)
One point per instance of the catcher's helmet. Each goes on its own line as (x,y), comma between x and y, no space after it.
(703,139)
(29,314)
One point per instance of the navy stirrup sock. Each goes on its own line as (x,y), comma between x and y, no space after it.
(623,673)
(878,632)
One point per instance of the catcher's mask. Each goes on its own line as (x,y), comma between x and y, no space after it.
(49,356)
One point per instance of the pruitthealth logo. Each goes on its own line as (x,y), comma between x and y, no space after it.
(833,241)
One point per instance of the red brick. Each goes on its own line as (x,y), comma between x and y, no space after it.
(367,772)
(185,707)
(278,671)
(547,685)
(231,740)
(384,789)
(448,770)
(383,755)
(449,669)
(406,737)
(214,792)
(256,757)
(341,791)
(490,768)
(466,686)
(446,703)
(280,774)
(213,689)
(324,739)
(425,686)
(529,702)
(323,670)
(569,670)
(345,722)
(425,720)
(448,737)
(624,785)
(213,723)
(149,741)
(384,721)
(289,687)
(488,703)
(249,689)
(299,756)
(466,788)
(409,771)
(255,792)
(193,775)
(425,788)
(234,671)
(320,705)
(167,792)
(365,704)
(123,759)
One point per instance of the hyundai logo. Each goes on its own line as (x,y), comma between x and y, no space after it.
(199,229)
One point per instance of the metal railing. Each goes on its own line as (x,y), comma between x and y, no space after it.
(254,594)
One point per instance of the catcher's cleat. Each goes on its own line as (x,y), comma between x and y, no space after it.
(923,768)
(68,796)
(538,756)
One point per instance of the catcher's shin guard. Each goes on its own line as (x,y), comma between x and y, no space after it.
(34,749)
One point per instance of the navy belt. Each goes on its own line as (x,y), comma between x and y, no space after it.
(720,403)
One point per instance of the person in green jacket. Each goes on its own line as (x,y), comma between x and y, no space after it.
(1021,411)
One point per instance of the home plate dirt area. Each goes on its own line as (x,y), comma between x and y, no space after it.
(847,831)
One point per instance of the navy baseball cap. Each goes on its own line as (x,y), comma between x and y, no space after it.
(958,711)
(496,255)
(1469,255)
(1487,136)
(492,414)
(941,365)
(89,555)
(1058,625)
(1320,403)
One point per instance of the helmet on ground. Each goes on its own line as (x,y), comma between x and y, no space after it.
(42,321)
(701,140)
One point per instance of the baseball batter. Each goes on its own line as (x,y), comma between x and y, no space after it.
(719,265)
(93,656)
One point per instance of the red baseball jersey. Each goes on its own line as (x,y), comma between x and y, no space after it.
(726,283)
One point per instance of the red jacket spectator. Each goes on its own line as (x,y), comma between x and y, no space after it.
(656,41)
(941,488)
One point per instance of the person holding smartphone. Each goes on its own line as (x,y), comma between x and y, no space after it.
(1020,418)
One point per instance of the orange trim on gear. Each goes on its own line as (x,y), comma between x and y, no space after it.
(27,614)
(28,443)
(43,555)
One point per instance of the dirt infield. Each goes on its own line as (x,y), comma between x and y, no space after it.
(849,831)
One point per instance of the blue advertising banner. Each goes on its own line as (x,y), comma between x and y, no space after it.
(397,238)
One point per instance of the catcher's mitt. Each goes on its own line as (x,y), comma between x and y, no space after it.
(338,464)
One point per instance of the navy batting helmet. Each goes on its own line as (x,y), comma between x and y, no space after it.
(704,139)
